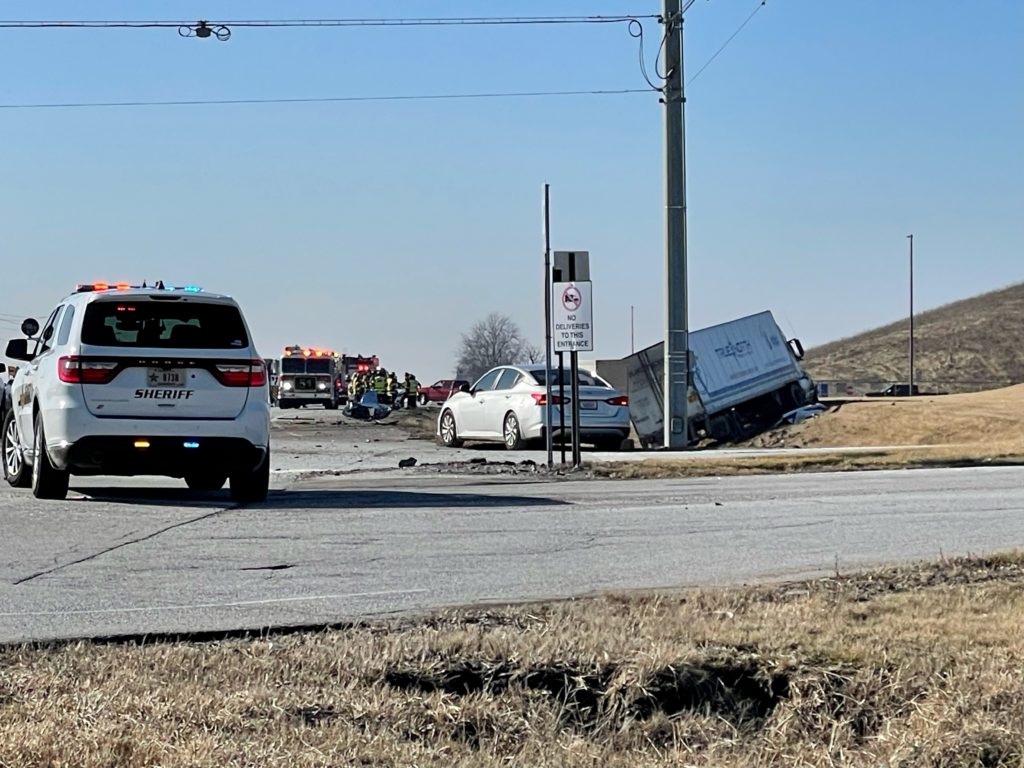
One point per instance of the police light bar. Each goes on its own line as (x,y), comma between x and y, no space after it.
(158,285)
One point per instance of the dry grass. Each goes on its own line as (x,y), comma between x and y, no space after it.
(984,419)
(916,666)
(902,458)
(982,428)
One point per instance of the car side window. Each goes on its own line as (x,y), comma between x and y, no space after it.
(65,326)
(509,378)
(43,342)
(487,381)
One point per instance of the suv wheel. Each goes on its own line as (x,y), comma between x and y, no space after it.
(251,487)
(15,471)
(48,482)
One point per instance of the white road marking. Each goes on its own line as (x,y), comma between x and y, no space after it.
(195,606)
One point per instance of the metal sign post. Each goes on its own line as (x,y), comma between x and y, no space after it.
(561,401)
(573,323)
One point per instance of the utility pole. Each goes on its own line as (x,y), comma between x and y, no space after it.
(677,342)
(910,392)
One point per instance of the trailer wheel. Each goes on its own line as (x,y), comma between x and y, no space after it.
(796,394)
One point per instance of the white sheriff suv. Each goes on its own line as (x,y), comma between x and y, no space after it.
(137,380)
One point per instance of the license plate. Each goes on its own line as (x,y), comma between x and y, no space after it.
(165,377)
(588,405)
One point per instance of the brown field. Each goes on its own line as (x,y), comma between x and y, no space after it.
(982,428)
(969,345)
(914,666)
(993,420)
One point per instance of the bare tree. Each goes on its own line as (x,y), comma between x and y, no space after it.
(495,340)
(532,353)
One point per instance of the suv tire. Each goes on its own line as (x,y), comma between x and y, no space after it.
(251,487)
(16,473)
(48,482)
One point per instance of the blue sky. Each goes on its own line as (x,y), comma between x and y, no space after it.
(816,141)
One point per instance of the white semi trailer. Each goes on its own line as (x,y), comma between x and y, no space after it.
(745,376)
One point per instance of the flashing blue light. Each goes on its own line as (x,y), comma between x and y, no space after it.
(191,444)
(192,289)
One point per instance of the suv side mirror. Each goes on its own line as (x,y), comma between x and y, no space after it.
(17,349)
(30,327)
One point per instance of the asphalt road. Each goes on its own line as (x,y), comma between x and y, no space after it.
(124,560)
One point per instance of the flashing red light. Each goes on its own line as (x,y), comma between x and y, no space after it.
(123,286)
(100,287)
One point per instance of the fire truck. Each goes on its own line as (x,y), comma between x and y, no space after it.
(310,376)
(359,364)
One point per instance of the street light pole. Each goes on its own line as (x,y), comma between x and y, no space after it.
(910,392)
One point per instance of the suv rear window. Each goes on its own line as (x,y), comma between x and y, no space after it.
(164,324)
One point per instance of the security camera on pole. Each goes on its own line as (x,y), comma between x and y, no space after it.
(573,324)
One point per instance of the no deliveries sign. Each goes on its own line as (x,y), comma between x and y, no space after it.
(573,317)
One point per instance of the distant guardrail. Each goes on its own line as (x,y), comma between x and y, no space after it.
(860,387)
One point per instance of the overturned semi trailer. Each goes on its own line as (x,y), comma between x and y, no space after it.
(746,375)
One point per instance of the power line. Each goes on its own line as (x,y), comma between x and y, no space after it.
(726,43)
(278,23)
(321,99)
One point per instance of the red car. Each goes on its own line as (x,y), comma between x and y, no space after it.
(440,390)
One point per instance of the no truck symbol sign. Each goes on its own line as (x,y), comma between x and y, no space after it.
(573,317)
(571,298)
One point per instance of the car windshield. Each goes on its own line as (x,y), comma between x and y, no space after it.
(164,324)
(318,366)
(293,365)
(585,378)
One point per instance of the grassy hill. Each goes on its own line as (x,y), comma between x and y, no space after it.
(976,343)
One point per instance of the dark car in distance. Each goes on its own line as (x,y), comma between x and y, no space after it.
(440,390)
(902,390)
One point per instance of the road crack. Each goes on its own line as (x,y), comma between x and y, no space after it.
(123,544)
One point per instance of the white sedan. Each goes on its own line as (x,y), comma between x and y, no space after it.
(508,404)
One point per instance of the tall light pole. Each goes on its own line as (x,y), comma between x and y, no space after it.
(910,392)
(677,343)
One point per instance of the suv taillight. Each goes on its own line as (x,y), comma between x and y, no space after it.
(74,370)
(250,374)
